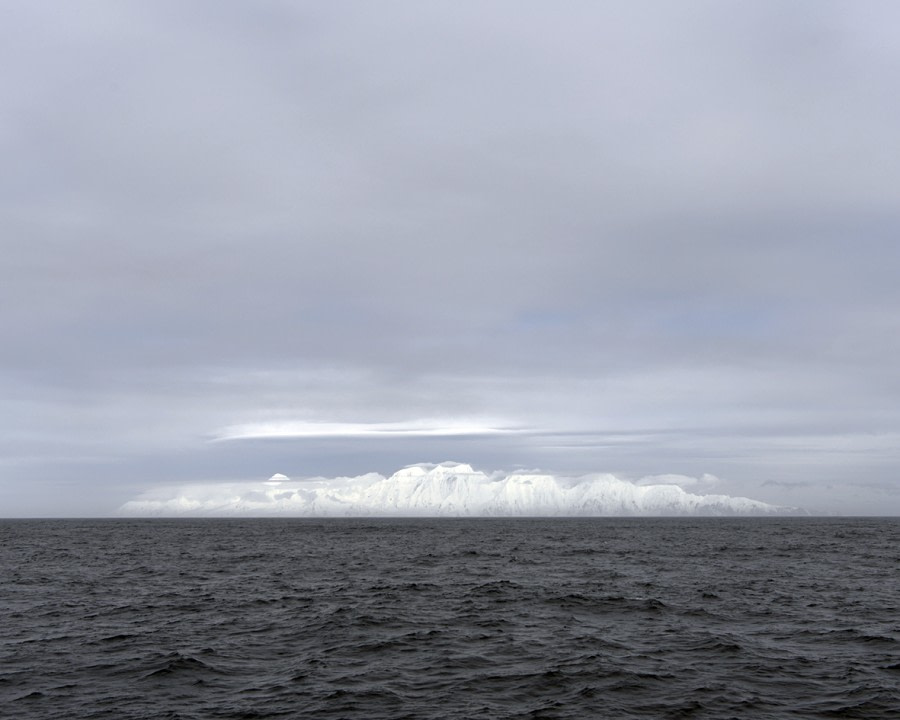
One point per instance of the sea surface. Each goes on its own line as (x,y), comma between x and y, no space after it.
(468,618)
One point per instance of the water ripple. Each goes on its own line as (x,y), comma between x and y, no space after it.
(640,618)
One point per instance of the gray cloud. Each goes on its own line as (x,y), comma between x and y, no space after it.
(671,223)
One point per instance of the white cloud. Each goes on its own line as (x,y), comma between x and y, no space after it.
(679,480)
(303,429)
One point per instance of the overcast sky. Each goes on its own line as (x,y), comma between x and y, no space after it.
(327,238)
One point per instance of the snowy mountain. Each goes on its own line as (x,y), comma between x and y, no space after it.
(448,489)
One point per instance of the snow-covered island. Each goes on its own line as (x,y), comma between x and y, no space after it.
(446,490)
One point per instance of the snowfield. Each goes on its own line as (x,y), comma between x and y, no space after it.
(445,490)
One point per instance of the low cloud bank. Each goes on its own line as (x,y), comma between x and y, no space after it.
(447,490)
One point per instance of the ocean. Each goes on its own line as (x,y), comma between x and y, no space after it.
(467,618)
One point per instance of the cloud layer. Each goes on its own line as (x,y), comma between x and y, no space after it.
(423,428)
(646,237)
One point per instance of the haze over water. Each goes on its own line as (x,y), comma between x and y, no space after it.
(501,618)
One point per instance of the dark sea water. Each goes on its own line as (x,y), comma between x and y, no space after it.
(586,618)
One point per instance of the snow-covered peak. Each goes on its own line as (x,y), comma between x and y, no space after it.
(448,489)
(444,469)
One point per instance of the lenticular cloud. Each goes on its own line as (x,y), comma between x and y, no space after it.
(445,490)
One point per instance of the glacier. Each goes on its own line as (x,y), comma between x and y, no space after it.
(447,489)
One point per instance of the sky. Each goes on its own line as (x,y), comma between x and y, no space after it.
(327,239)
